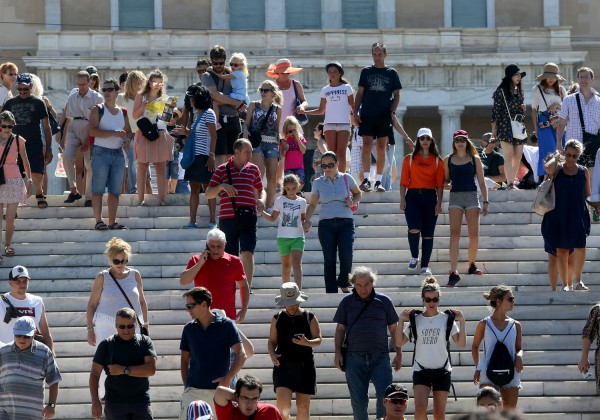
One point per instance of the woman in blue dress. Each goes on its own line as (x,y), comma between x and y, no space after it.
(566,228)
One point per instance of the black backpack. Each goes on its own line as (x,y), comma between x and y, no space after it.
(412,335)
(501,368)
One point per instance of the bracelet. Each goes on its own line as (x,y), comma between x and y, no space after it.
(486,202)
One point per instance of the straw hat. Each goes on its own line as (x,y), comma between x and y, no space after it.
(550,72)
(283,65)
(290,295)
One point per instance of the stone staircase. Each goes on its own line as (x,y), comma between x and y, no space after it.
(63,254)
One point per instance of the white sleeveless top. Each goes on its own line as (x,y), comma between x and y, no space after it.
(111,298)
(111,122)
(31,306)
(289,104)
(489,341)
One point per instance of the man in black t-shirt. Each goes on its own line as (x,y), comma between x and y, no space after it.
(30,111)
(128,359)
(493,162)
(378,84)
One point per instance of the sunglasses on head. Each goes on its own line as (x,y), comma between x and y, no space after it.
(264,90)
(429,300)
(189,306)
(10,127)
(461,140)
(119,262)
(112,89)
(327,165)
(218,63)
(128,326)
(397,401)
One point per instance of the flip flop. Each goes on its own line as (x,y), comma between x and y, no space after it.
(100,225)
(191,226)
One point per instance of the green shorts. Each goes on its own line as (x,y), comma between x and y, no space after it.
(285,246)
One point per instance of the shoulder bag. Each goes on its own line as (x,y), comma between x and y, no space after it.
(143,329)
(591,142)
(344,347)
(354,208)
(190,144)
(302,118)
(518,127)
(255,136)
(12,312)
(245,217)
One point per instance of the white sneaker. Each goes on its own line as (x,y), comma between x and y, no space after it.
(567,288)
(426,271)
(412,264)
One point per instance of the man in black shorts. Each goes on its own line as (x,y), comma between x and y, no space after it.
(373,111)
(229,108)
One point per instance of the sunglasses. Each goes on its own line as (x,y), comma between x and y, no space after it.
(10,127)
(23,336)
(119,262)
(265,90)
(218,63)
(190,306)
(235,64)
(460,140)
(510,298)
(429,300)
(23,89)
(108,89)
(425,138)
(569,155)
(397,401)
(327,165)
(128,326)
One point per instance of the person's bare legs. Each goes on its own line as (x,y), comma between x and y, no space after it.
(194,200)
(113,204)
(512,160)
(421,396)
(578,259)
(440,398)
(141,181)
(161,181)
(562,257)
(472,216)
(286,268)
(337,141)
(552,272)
(212,207)
(302,406)
(381,149)
(97,206)
(366,153)
(456,216)
(11,213)
(297,266)
(248,263)
(284,401)
(510,397)
(271,172)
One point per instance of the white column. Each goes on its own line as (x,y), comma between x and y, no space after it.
(114,15)
(331,14)
(450,123)
(400,143)
(274,15)
(491,13)
(386,14)
(158,14)
(219,14)
(447,13)
(53,15)
(551,12)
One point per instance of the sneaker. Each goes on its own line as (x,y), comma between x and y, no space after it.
(453,279)
(378,187)
(412,264)
(580,286)
(365,186)
(88,203)
(474,270)
(426,271)
(72,197)
(567,288)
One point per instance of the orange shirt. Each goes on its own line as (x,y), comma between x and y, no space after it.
(422,173)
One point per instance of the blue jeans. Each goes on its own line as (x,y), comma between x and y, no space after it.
(183,187)
(108,169)
(390,161)
(336,236)
(362,368)
(131,186)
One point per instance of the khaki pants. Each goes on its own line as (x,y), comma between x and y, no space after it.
(78,131)
(192,394)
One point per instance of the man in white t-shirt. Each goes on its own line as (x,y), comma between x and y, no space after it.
(24,304)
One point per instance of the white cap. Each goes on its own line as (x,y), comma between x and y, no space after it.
(424,132)
(18,271)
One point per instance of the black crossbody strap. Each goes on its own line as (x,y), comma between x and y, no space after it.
(231,182)
(11,306)
(580,112)
(6,149)
(264,122)
(125,296)
(364,308)
(543,97)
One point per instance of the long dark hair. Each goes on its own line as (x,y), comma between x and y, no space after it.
(470,149)
(555,86)
(505,86)
(433,149)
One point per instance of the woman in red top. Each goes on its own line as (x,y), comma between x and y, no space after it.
(421,191)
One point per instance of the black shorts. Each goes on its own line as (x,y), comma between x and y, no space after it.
(376,127)
(35,156)
(237,240)
(436,379)
(198,172)
(228,134)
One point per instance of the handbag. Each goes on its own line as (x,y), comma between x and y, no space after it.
(54,128)
(190,144)
(344,347)
(302,118)
(255,132)
(519,131)
(591,142)
(354,208)
(143,329)
(148,129)
(544,197)
(245,217)
(4,156)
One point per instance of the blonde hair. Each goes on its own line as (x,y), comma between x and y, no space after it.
(278,99)
(241,59)
(5,68)
(155,74)
(132,78)
(430,284)
(292,122)
(497,292)
(117,246)
(37,89)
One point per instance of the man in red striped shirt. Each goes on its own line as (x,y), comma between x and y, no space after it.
(239,187)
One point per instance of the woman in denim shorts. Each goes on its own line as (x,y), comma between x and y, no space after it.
(460,168)
(266,155)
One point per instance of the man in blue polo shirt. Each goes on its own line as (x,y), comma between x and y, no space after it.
(365,316)
(205,345)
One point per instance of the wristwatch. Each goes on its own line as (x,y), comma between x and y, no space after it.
(52,405)
(126,370)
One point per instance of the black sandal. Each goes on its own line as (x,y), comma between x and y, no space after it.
(117,226)
(42,203)
(100,225)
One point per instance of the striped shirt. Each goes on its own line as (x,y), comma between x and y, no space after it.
(202,139)
(245,180)
(22,373)
(590,111)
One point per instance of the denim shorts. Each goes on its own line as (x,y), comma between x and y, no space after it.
(464,200)
(285,246)
(108,170)
(336,127)
(173,167)
(267,149)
